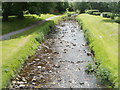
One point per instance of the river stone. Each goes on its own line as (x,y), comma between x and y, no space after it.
(22,85)
(81,83)
(13,82)
(37,59)
(89,54)
(57,66)
(38,66)
(34,79)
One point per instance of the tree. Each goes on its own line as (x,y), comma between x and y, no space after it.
(81,6)
(6,9)
(17,8)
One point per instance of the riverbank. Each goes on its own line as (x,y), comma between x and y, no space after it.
(17,49)
(102,37)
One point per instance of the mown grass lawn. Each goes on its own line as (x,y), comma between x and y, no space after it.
(16,50)
(103,37)
(15,24)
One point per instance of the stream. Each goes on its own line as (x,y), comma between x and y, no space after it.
(59,62)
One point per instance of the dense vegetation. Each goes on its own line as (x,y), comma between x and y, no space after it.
(19,9)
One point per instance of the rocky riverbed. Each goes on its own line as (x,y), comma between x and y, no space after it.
(59,62)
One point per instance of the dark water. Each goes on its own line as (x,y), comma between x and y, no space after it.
(59,62)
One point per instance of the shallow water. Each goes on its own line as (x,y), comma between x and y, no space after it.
(59,62)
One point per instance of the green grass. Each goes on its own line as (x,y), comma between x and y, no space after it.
(103,37)
(15,24)
(16,50)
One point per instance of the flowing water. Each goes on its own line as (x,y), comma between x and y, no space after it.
(59,62)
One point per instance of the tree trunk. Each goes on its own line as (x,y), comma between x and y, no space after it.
(5,17)
(20,15)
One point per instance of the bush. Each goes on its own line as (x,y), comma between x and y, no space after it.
(117,19)
(107,14)
(96,13)
(91,11)
(90,68)
(78,11)
(103,75)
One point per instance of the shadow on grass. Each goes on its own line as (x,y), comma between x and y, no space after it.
(108,20)
(15,24)
(43,27)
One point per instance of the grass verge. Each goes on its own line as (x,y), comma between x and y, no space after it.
(15,24)
(103,40)
(16,50)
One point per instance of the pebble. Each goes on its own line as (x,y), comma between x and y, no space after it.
(64,52)
(37,59)
(13,82)
(38,66)
(57,66)
(34,79)
(49,57)
(81,83)
(56,52)
(22,85)
(89,54)
(50,71)
(33,83)
(74,44)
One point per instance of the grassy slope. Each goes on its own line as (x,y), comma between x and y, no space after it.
(15,24)
(15,51)
(104,37)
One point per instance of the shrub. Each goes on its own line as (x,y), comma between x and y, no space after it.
(96,13)
(90,68)
(107,14)
(91,11)
(78,11)
(117,19)
(103,75)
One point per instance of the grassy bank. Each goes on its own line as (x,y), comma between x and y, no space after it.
(103,37)
(15,24)
(16,50)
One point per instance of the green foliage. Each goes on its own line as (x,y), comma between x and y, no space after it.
(78,11)
(103,75)
(113,7)
(17,8)
(106,14)
(117,19)
(90,68)
(61,6)
(69,13)
(96,13)
(92,11)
